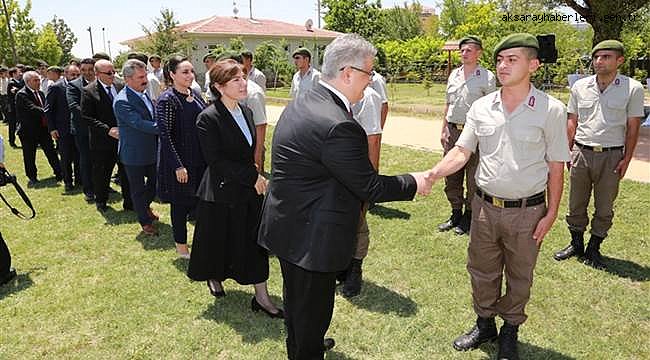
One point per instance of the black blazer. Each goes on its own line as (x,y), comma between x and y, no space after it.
(97,113)
(73,95)
(29,112)
(56,108)
(12,89)
(321,177)
(231,174)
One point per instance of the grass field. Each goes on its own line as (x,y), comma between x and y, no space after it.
(90,286)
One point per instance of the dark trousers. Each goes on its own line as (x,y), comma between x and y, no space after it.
(103,162)
(29,143)
(179,212)
(308,299)
(4,102)
(69,159)
(5,257)
(11,120)
(142,181)
(85,168)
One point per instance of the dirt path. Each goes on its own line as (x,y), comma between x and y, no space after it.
(425,135)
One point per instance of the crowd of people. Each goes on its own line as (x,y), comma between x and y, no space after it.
(201,149)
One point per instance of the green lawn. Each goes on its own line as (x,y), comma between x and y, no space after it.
(91,287)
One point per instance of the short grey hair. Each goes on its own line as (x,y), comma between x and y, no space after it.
(131,65)
(346,50)
(30,75)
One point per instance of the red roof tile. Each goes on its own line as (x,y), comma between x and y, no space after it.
(246,26)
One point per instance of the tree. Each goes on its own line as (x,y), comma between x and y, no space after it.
(65,37)
(271,58)
(164,38)
(24,31)
(401,23)
(452,14)
(237,44)
(354,16)
(47,45)
(607,17)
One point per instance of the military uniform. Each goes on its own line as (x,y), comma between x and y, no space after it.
(303,83)
(599,147)
(511,178)
(461,94)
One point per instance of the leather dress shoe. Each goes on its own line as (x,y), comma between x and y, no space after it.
(328,344)
(216,293)
(7,277)
(69,188)
(149,229)
(453,221)
(255,307)
(90,198)
(485,330)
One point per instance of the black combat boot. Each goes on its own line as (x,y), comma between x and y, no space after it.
(464,223)
(592,254)
(485,330)
(352,283)
(508,342)
(576,247)
(453,221)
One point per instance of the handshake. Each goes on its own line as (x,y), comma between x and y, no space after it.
(425,180)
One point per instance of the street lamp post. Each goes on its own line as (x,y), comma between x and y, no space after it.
(90,31)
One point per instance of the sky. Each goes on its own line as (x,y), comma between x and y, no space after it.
(123,19)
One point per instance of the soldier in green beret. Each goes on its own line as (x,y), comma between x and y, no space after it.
(306,77)
(464,86)
(522,147)
(605,113)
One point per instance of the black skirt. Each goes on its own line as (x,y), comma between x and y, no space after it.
(225,243)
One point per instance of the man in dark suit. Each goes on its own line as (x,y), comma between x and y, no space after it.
(321,177)
(97,112)
(78,127)
(138,146)
(58,123)
(32,127)
(15,84)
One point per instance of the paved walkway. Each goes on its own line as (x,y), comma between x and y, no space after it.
(425,135)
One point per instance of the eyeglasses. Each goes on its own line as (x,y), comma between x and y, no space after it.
(109,73)
(370,73)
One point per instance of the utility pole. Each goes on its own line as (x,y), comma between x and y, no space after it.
(92,49)
(109,49)
(318,12)
(104,38)
(11,34)
(250,9)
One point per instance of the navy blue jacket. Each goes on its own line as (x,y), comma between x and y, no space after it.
(56,108)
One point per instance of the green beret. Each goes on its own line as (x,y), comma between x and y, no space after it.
(302,51)
(514,41)
(155,56)
(609,45)
(470,39)
(56,69)
(138,56)
(230,55)
(101,55)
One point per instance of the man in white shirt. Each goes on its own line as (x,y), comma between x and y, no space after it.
(254,74)
(306,77)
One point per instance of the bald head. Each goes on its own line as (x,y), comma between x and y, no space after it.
(104,71)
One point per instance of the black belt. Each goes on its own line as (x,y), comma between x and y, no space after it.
(456,126)
(598,148)
(502,203)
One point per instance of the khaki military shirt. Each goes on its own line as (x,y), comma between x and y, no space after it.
(602,117)
(461,92)
(301,84)
(514,148)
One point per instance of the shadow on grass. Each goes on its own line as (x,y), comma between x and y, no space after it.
(46,183)
(181,264)
(17,284)
(162,241)
(389,213)
(335,355)
(383,300)
(627,269)
(526,351)
(115,217)
(234,311)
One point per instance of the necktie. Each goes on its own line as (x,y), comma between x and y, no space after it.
(40,103)
(109,93)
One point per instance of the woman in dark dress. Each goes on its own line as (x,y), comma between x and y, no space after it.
(230,194)
(180,161)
